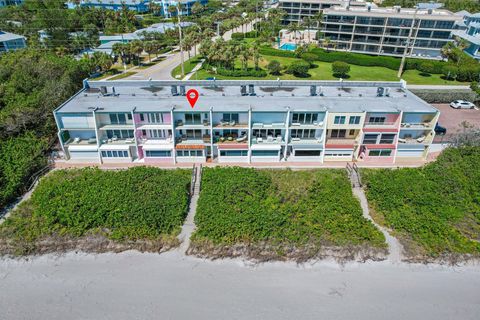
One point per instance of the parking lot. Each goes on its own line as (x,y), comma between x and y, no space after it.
(451,119)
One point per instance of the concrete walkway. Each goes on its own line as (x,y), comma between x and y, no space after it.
(189,224)
(191,73)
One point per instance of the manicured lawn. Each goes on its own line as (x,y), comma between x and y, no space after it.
(188,67)
(434,210)
(139,205)
(275,214)
(323,71)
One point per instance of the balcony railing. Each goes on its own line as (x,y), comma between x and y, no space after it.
(231,139)
(269,140)
(79,141)
(181,123)
(193,140)
(421,125)
(295,140)
(341,141)
(379,124)
(229,124)
(118,141)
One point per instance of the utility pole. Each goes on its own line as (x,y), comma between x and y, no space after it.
(180,38)
(402,63)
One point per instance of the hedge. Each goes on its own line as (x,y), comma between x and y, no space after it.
(445,96)
(242,73)
(240,35)
(359,59)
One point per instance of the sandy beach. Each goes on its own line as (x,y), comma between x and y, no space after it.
(132,285)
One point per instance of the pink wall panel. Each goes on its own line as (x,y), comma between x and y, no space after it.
(167,118)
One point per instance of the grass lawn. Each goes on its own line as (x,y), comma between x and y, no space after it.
(277,214)
(188,67)
(98,210)
(434,210)
(323,71)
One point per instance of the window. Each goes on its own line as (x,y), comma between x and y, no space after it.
(387,138)
(351,132)
(155,117)
(189,153)
(354,120)
(303,133)
(194,134)
(120,134)
(338,154)
(265,153)
(380,153)
(154,133)
(338,133)
(378,120)
(193,118)
(339,120)
(304,118)
(115,154)
(234,153)
(264,133)
(142,117)
(307,153)
(119,118)
(370,138)
(158,153)
(228,117)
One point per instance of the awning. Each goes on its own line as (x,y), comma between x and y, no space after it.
(115,146)
(190,146)
(232,146)
(83,147)
(266,146)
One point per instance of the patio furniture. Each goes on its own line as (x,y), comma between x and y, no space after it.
(230,138)
(232,123)
(296,139)
(129,140)
(258,124)
(259,140)
(270,139)
(205,122)
(179,123)
(421,139)
(295,124)
(92,140)
(222,139)
(223,123)
(279,139)
(402,140)
(242,139)
(76,140)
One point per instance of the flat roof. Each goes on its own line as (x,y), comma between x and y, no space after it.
(225,95)
(393,12)
(7,36)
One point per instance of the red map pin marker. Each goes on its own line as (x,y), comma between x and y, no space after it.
(192,97)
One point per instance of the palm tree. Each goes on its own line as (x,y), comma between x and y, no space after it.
(255,54)
(293,27)
(136,48)
(326,43)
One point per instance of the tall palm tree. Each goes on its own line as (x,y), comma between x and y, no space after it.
(293,27)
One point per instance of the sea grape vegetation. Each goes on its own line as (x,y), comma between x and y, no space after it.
(127,205)
(435,210)
(296,209)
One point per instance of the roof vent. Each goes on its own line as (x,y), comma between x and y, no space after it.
(103,90)
(397,9)
(387,92)
(369,7)
(313,90)
(174,91)
(430,11)
(320,91)
(243,90)
(380,91)
(182,90)
(114,93)
(251,90)
(359,94)
(339,94)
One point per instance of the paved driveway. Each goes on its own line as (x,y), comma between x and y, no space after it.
(452,118)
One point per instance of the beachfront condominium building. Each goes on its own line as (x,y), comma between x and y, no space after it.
(245,122)
(10,41)
(469,30)
(4,3)
(140,6)
(186,6)
(389,31)
(298,10)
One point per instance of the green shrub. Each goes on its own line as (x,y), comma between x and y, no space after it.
(340,68)
(426,67)
(444,96)
(436,206)
(450,72)
(249,206)
(309,57)
(299,68)
(274,67)
(357,59)
(237,36)
(138,203)
(269,51)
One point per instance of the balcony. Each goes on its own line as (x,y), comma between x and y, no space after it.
(274,125)
(179,124)
(229,125)
(111,126)
(340,143)
(380,124)
(193,140)
(296,140)
(118,141)
(423,125)
(416,140)
(268,140)
(155,141)
(80,142)
(315,124)
(231,140)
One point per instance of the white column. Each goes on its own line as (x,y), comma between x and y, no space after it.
(398,136)
(287,125)
(211,132)
(100,160)
(135,133)
(174,151)
(250,134)
(324,142)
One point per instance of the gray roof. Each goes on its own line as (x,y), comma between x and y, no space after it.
(271,96)
(7,36)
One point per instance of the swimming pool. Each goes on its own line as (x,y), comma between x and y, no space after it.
(288,46)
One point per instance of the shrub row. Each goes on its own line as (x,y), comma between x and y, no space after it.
(445,96)
(240,35)
(242,73)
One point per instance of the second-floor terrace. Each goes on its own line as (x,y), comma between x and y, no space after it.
(269,120)
(268,136)
(416,120)
(379,120)
(110,121)
(192,136)
(230,136)
(117,136)
(347,138)
(415,137)
(191,120)
(230,119)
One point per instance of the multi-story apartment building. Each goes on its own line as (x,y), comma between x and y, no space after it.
(389,31)
(135,5)
(186,6)
(4,3)
(469,30)
(298,10)
(245,121)
(10,41)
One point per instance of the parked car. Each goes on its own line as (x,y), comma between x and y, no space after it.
(462,104)
(440,130)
